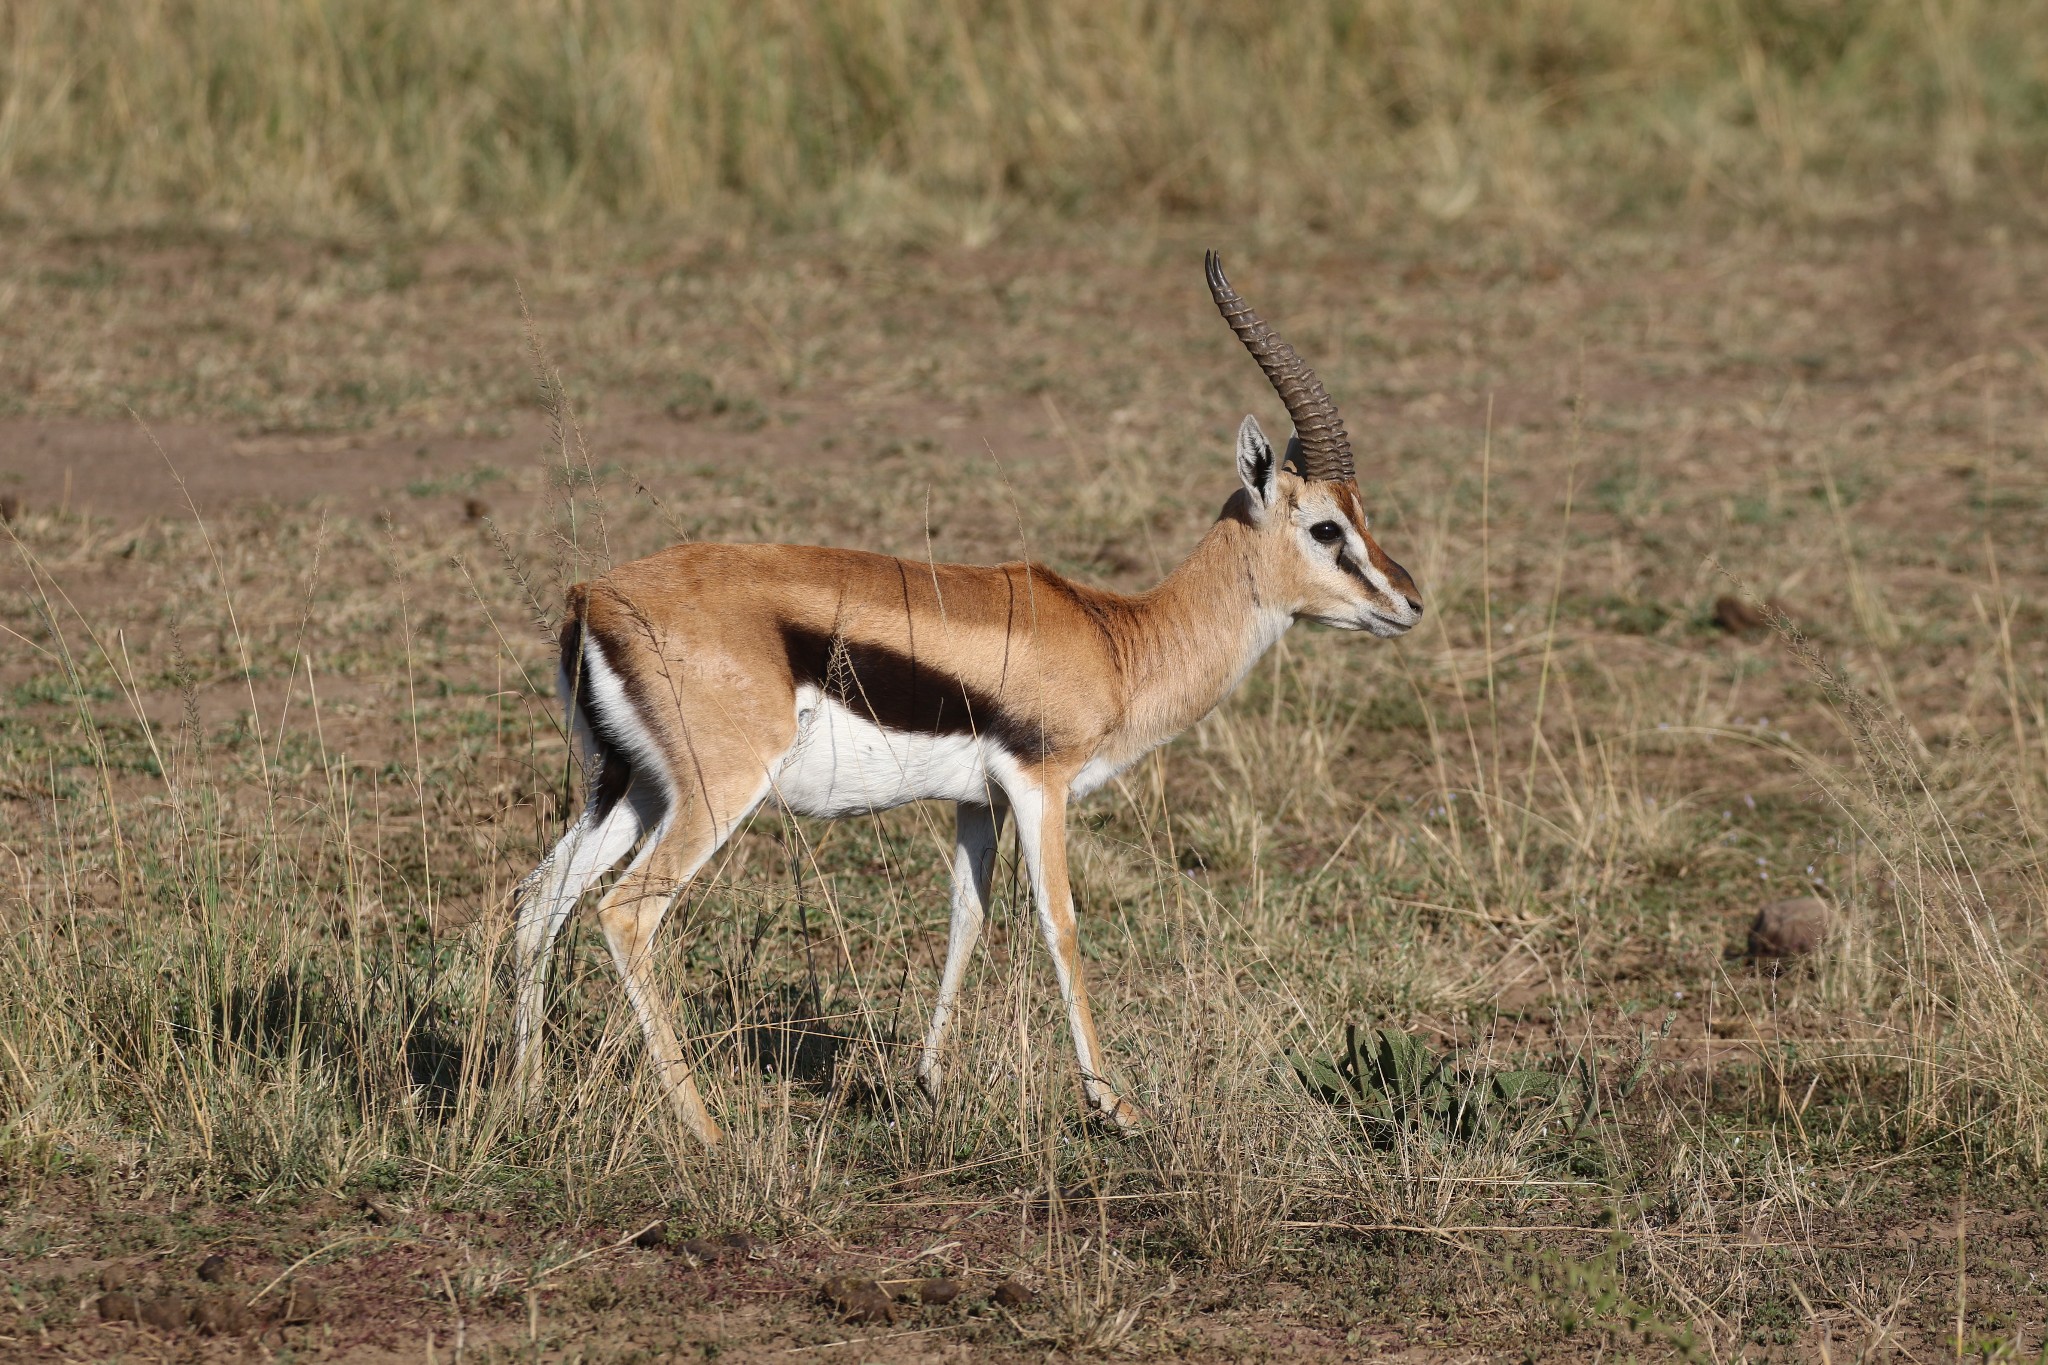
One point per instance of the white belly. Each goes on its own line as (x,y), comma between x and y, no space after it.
(1093,774)
(845,764)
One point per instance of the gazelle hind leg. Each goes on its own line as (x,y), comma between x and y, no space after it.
(610,825)
(631,914)
(1042,835)
(976,830)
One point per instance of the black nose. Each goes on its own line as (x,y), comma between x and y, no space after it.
(1414,604)
(1401,582)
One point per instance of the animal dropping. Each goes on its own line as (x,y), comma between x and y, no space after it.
(936,1293)
(858,1301)
(1791,928)
(220,1317)
(707,681)
(700,1252)
(301,1304)
(1738,617)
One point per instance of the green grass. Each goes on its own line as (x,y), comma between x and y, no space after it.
(951,119)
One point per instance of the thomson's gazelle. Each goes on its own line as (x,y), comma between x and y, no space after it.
(707,679)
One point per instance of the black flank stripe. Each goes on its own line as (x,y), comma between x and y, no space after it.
(896,692)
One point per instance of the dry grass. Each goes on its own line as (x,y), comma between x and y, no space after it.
(266,775)
(952,119)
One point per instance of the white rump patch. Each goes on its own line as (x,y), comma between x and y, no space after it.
(605,693)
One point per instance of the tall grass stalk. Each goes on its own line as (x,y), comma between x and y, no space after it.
(1960,897)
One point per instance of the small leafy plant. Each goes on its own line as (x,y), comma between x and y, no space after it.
(1394,1083)
(1592,1293)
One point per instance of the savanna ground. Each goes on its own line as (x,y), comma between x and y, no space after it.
(288,514)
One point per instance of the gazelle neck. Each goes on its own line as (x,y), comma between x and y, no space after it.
(1197,634)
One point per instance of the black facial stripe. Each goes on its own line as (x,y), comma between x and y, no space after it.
(1350,566)
(897,692)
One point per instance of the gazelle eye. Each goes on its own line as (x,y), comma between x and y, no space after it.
(1328,532)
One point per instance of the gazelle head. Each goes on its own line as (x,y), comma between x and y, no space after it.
(1316,554)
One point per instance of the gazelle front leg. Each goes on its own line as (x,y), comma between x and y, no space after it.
(1042,834)
(976,829)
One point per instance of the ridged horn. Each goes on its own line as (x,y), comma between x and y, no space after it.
(1325,447)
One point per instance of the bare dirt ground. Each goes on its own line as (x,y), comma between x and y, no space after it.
(1578,448)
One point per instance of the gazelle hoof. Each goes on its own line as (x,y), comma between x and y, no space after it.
(689,1107)
(709,1133)
(931,1080)
(1120,1114)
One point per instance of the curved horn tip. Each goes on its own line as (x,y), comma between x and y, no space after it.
(1212,266)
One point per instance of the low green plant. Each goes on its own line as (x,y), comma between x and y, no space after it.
(1395,1085)
(1591,1293)
(1394,1082)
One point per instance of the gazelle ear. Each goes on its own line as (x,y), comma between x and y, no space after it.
(1255,463)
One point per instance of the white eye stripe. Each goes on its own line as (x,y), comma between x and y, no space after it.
(1305,519)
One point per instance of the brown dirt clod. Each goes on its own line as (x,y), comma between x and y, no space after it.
(858,1301)
(475,509)
(650,1237)
(119,1305)
(112,1277)
(739,1244)
(1011,1294)
(301,1304)
(700,1252)
(938,1292)
(214,1269)
(1791,928)
(167,1312)
(221,1317)
(1738,617)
